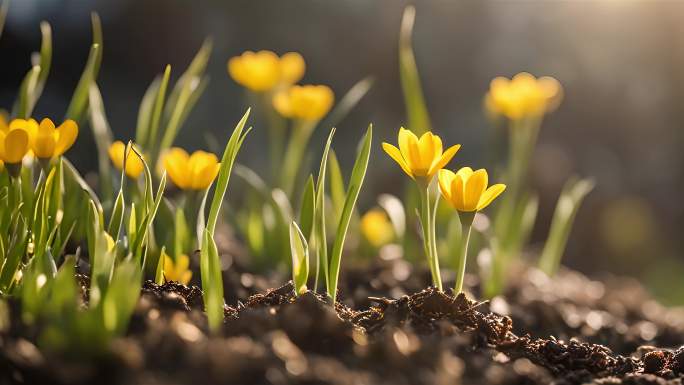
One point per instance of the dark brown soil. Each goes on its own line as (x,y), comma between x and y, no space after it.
(566,330)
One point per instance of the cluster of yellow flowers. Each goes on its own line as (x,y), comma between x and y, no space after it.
(22,137)
(264,71)
(523,96)
(422,158)
(187,172)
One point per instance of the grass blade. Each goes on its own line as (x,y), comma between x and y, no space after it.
(299,249)
(308,207)
(416,109)
(568,204)
(349,101)
(355,183)
(321,239)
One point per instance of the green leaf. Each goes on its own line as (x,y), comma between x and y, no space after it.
(116,220)
(103,140)
(337,188)
(227,161)
(348,102)
(142,131)
(355,183)
(569,203)
(159,275)
(16,251)
(153,139)
(321,239)
(299,249)
(308,207)
(212,281)
(119,302)
(79,101)
(26,91)
(416,109)
(3,14)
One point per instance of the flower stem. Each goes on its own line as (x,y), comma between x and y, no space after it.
(466,225)
(429,241)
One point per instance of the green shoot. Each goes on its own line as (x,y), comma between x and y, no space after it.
(300,258)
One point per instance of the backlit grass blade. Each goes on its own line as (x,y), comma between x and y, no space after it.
(348,102)
(3,14)
(121,297)
(227,161)
(210,265)
(569,203)
(142,130)
(117,217)
(299,249)
(79,101)
(26,90)
(307,207)
(102,134)
(355,183)
(159,274)
(416,109)
(155,119)
(337,188)
(321,240)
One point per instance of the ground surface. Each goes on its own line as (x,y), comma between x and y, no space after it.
(386,330)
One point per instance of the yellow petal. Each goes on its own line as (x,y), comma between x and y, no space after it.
(185,277)
(475,186)
(465,172)
(395,154)
(444,159)
(292,67)
(67,133)
(116,153)
(183,262)
(176,163)
(44,144)
(16,146)
(445,178)
(405,138)
(490,194)
(169,267)
(203,168)
(282,104)
(458,192)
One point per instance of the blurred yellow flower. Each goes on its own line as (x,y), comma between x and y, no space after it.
(50,141)
(191,172)
(420,158)
(264,70)
(309,102)
(134,166)
(15,142)
(466,190)
(377,228)
(523,96)
(179,271)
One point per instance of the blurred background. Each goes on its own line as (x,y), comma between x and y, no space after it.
(621,64)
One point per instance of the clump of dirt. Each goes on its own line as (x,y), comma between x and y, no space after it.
(429,337)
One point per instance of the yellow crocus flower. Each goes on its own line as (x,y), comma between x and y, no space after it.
(377,228)
(191,172)
(15,143)
(264,70)
(308,102)
(178,271)
(466,190)
(420,158)
(292,68)
(50,141)
(134,166)
(523,96)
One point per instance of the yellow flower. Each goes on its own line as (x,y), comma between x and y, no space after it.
(420,158)
(466,190)
(179,271)
(523,96)
(15,142)
(264,70)
(377,228)
(292,68)
(50,141)
(309,102)
(191,172)
(134,166)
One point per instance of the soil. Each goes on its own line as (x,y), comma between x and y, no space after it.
(387,330)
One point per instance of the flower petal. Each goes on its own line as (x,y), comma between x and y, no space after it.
(490,194)
(67,131)
(16,146)
(395,154)
(407,137)
(44,144)
(176,163)
(475,186)
(444,159)
(445,178)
